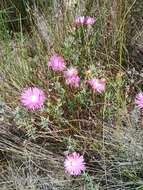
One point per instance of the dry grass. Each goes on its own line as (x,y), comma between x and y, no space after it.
(106,129)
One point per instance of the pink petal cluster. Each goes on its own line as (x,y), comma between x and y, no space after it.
(71,77)
(74,164)
(56,63)
(98,85)
(80,20)
(33,98)
(84,20)
(90,20)
(139,100)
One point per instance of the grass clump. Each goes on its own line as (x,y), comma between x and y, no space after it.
(102,123)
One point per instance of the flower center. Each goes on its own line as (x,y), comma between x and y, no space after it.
(34,98)
(72,163)
(57,63)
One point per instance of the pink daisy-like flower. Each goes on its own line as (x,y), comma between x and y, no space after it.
(71,72)
(74,164)
(84,20)
(33,98)
(71,77)
(80,20)
(57,63)
(90,20)
(139,100)
(73,81)
(98,85)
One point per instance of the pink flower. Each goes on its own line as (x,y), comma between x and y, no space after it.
(84,20)
(71,77)
(33,98)
(139,100)
(74,164)
(98,85)
(90,20)
(80,20)
(73,81)
(57,63)
(71,72)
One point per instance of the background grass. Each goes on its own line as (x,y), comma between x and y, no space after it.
(106,129)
